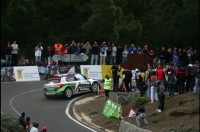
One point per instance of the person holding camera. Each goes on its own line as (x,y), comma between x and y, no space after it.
(95,52)
(103,53)
(38,53)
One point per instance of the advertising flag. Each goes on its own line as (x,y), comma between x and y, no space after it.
(112,109)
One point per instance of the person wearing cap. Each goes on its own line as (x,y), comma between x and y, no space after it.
(161,96)
(107,84)
(44,129)
(171,79)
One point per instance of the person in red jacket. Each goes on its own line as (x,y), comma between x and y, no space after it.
(160,74)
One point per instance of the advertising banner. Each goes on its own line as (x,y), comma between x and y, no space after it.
(106,70)
(26,73)
(112,109)
(91,71)
(7,74)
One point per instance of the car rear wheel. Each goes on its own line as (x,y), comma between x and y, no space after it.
(95,87)
(68,92)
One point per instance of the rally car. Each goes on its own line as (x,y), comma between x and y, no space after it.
(69,84)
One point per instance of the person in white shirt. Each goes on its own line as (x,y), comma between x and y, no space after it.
(113,54)
(14,53)
(38,53)
(35,127)
(103,53)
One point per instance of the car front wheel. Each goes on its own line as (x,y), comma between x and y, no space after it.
(68,93)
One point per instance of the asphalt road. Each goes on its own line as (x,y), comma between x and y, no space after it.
(18,97)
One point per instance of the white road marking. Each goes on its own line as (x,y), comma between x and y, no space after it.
(20,95)
(67,113)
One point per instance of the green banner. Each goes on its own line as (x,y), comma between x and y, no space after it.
(111,109)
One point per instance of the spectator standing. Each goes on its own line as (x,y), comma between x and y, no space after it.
(38,53)
(50,51)
(127,79)
(188,68)
(145,50)
(107,84)
(124,54)
(180,56)
(83,50)
(22,119)
(58,48)
(132,49)
(162,56)
(94,56)
(175,58)
(65,49)
(193,73)
(44,129)
(184,58)
(15,49)
(140,114)
(195,56)
(161,96)
(171,79)
(103,53)
(77,49)
(8,50)
(119,55)
(189,54)
(113,54)
(166,70)
(27,124)
(160,74)
(153,80)
(35,127)
(108,57)
(72,47)
(151,54)
(196,87)
(115,72)
(87,48)
(181,74)
(148,74)
(139,50)
(169,56)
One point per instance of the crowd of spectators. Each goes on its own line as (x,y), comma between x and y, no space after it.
(106,53)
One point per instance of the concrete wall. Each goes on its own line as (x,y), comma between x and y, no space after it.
(128,127)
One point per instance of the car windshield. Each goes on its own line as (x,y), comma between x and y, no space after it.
(52,81)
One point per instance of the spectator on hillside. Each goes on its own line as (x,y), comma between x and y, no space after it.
(193,73)
(182,75)
(15,49)
(35,127)
(145,50)
(82,50)
(184,58)
(124,54)
(180,56)
(72,47)
(140,114)
(77,49)
(166,70)
(22,61)
(22,119)
(103,53)
(188,68)
(148,74)
(160,74)
(153,80)
(162,56)
(175,58)
(171,79)
(113,54)
(119,55)
(65,49)
(195,56)
(132,49)
(196,87)
(169,56)
(161,96)
(139,50)
(95,52)
(151,54)
(189,54)
(8,50)
(50,51)
(38,53)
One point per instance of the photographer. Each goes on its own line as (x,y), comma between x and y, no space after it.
(38,53)
(103,53)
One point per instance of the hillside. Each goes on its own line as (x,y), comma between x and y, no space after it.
(182,118)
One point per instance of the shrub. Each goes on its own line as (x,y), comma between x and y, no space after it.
(137,101)
(10,124)
(153,114)
(155,120)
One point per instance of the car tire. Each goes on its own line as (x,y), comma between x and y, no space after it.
(68,93)
(95,87)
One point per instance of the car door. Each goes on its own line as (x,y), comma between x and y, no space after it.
(83,83)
